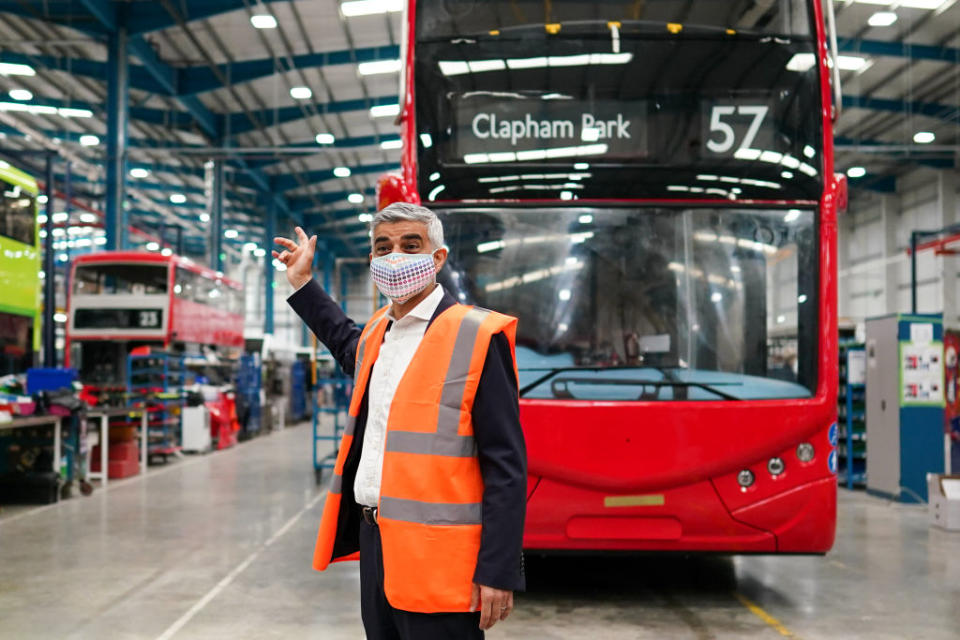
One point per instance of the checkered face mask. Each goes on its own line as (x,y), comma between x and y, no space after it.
(400,276)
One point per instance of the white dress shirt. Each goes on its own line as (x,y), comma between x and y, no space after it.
(396,352)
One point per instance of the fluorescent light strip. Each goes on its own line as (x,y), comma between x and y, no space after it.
(930,5)
(535,187)
(801,62)
(385,110)
(460,67)
(13,69)
(45,110)
(536,176)
(378,67)
(535,154)
(533,276)
(355,8)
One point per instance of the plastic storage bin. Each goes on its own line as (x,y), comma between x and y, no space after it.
(50,379)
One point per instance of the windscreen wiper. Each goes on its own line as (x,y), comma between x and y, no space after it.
(668,381)
(565,393)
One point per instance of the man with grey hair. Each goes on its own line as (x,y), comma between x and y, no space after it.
(430,481)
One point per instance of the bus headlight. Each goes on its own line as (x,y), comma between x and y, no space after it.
(745,478)
(805,452)
(775,466)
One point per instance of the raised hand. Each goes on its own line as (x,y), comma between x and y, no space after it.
(298,257)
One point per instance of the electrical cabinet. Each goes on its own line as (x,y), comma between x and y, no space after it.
(904,404)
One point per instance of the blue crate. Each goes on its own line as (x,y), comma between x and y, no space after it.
(50,379)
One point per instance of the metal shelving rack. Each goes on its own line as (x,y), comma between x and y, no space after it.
(852,420)
(155,382)
(338,409)
(249,384)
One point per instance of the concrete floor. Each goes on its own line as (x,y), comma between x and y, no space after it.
(219,546)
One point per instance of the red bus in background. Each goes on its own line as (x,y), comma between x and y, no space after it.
(119,300)
(649,187)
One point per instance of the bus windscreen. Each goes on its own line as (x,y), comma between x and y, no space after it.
(643,114)
(121,279)
(17,214)
(646,303)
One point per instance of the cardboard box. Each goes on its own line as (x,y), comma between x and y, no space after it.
(944,507)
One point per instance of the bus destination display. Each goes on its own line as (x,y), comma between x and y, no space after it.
(490,128)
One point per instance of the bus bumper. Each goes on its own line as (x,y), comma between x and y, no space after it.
(690,518)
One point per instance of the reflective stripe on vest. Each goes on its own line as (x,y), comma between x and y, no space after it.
(430,512)
(444,439)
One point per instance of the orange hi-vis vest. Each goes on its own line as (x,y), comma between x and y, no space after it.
(431,492)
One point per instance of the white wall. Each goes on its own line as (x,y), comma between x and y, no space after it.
(873,238)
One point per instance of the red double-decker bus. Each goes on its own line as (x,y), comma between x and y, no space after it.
(649,187)
(120,300)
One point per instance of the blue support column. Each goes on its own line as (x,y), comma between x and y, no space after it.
(49,276)
(268,274)
(328,267)
(115,223)
(216,218)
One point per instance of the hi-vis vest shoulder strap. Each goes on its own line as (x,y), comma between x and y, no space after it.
(431,491)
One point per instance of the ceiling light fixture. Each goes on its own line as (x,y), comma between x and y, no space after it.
(139,172)
(355,198)
(66,112)
(856,172)
(924,137)
(325,138)
(912,4)
(89,140)
(355,8)
(13,69)
(882,19)
(178,198)
(21,94)
(804,61)
(231,234)
(263,21)
(341,172)
(391,144)
(378,67)
(301,93)
(385,111)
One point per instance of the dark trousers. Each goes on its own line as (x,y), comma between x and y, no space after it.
(383,622)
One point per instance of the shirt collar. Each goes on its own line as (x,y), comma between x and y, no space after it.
(426,308)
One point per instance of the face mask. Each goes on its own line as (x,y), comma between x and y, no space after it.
(400,276)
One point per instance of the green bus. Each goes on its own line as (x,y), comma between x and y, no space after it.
(19,271)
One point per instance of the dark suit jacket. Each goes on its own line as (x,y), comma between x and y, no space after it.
(496,425)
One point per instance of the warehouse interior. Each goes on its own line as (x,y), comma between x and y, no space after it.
(162,480)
